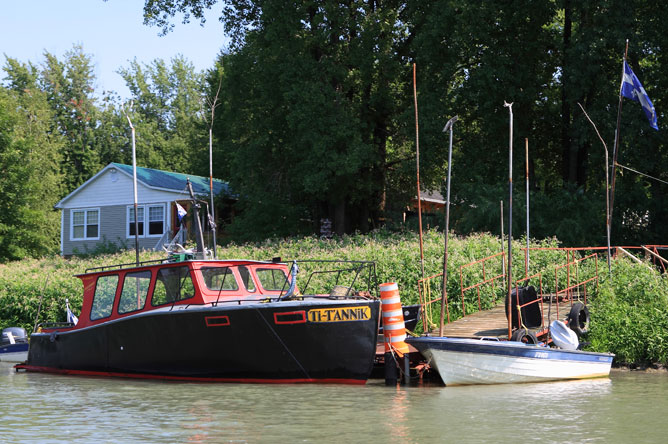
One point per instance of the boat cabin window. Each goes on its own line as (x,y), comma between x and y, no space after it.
(103,300)
(272,279)
(135,290)
(219,278)
(172,284)
(246,278)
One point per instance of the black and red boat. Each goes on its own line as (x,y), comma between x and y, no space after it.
(189,318)
(213,320)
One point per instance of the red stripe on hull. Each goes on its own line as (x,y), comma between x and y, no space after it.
(37,369)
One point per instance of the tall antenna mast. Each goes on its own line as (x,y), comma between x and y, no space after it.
(134,184)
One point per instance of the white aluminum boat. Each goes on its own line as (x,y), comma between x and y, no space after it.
(474,361)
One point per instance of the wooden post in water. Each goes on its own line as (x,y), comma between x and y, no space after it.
(417,151)
(526,254)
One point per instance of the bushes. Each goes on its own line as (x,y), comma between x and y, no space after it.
(629,311)
(630,315)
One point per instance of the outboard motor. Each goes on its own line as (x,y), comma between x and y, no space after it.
(14,335)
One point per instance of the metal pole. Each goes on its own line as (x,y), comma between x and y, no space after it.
(134,185)
(526,255)
(448,126)
(503,249)
(510,216)
(615,149)
(417,150)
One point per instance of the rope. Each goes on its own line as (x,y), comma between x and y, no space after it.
(642,174)
(282,343)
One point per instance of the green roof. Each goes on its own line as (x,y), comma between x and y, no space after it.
(174,181)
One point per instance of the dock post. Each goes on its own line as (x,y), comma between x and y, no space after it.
(407,369)
(390,370)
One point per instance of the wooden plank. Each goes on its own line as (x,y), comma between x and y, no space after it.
(486,323)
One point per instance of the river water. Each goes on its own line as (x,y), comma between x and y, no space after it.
(40,408)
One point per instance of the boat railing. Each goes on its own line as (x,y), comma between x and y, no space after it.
(337,273)
(52,325)
(123,266)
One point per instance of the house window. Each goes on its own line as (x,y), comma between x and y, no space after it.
(156,221)
(85,224)
(131,221)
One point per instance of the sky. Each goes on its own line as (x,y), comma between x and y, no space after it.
(110,32)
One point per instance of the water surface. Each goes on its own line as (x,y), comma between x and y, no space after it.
(627,407)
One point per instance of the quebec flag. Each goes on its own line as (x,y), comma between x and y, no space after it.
(70,316)
(180,211)
(632,89)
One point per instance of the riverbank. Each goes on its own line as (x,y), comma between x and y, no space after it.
(629,310)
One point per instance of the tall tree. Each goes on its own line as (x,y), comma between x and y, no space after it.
(166,112)
(30,183)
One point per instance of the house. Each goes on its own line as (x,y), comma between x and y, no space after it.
(101,211)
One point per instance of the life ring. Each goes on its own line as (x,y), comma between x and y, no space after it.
(524,335)
(578,319)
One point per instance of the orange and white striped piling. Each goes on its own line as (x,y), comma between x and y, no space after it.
(394,328)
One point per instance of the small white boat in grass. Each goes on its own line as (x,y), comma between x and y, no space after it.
(462,361)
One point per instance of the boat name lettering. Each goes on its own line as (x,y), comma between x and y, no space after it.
(541,355)
(339,314)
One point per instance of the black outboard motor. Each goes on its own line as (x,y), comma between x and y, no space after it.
(14,335)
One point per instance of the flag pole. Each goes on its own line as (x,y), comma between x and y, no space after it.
(615,149)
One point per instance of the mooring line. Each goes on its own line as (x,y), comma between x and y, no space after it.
(282,343)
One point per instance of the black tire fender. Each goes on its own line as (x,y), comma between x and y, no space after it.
(524,335)
(578,319)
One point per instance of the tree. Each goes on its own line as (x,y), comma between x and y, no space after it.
(30,183)
(166,112)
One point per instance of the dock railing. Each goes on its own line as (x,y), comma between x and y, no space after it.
(430,299)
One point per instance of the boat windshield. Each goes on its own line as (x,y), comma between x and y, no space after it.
(272,279)
(219,278)
(173,284)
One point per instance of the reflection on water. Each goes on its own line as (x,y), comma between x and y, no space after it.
(628,407)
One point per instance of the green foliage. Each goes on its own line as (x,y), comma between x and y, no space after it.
(30,180)
(629,317)
(629,311)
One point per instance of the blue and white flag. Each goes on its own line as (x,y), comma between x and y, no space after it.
(632,89)
(70,316)
(180,211)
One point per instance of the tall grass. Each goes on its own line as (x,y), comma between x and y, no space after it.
(629,311)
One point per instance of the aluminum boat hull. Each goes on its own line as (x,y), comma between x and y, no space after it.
(473,361)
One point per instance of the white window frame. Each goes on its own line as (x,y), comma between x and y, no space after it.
(85,231)
(146,209)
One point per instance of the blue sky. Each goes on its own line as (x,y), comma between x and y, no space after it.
(111,32)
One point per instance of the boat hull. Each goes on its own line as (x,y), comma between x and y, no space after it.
(473,361)
(14,352)
(287,341)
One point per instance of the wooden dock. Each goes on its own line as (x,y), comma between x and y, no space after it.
(490,323)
